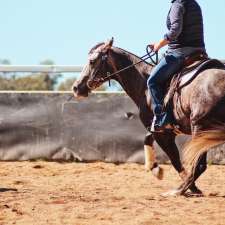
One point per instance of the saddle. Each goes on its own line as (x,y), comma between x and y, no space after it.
(194,65)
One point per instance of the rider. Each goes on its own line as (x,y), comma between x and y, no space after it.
(184,37)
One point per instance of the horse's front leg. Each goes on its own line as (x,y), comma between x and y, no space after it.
(150,158)
(167,143)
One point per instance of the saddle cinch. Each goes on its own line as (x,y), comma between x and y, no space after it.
(194,65)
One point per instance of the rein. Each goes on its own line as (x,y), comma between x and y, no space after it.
(150,54)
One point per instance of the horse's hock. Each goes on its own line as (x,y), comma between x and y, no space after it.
(104,127)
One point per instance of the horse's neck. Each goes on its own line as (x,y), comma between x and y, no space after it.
(133,80)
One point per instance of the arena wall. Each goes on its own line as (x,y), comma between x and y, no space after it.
(104,127)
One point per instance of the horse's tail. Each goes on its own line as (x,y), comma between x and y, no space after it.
(201,144)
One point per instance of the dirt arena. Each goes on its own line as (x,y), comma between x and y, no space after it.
(98,193)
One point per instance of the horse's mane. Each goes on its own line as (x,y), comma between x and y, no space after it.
(129,54)
(95,47)
(132,55)
(144,66)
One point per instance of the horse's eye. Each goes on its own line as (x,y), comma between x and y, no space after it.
(92,62)
(104,57)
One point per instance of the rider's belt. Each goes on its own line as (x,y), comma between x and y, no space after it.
(196,56)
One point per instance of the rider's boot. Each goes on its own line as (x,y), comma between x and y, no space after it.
(162,122)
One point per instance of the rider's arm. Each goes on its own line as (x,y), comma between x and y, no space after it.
(176,16)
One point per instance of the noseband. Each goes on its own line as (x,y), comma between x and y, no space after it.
(98,81)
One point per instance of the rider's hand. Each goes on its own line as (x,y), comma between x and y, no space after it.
(155,47)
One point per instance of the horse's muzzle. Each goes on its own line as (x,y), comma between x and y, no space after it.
(74,89)
(93,84)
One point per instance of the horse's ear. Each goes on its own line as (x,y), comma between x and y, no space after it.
(109,43)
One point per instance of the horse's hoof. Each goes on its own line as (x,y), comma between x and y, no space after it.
(158,172)
(196,191)
(147,168)
(192,194)
(172,193)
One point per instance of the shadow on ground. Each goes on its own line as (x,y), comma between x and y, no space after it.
(7,189)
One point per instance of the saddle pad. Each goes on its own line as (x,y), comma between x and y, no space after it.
(189,74)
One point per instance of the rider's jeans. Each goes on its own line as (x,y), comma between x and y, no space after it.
(170,64)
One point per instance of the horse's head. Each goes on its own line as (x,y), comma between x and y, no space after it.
(95,72)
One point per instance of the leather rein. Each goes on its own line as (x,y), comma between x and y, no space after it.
(149,55)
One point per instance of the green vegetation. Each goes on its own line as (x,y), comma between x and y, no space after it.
(66,85)
(40,81)
(28,83)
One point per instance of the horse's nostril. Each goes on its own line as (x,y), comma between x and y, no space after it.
(74,88)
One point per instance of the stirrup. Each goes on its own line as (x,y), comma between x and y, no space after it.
(168,127)
(160,129)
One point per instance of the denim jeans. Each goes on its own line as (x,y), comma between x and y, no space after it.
(170,64)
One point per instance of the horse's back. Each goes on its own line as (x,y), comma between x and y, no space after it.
(202,95)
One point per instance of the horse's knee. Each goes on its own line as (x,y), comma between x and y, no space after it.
(148,139)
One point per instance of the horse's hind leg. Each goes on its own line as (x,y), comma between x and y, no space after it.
(196,172)
(194,175)
(167,142)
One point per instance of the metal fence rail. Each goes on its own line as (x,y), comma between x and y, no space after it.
(44,68)
(41,68)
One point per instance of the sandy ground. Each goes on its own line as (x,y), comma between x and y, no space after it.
(98,193)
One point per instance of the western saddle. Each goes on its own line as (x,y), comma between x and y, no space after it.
(194,64)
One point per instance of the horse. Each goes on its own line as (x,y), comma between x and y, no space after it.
(198,109)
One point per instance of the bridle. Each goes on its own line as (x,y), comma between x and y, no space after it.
(98,81)
(93,79)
